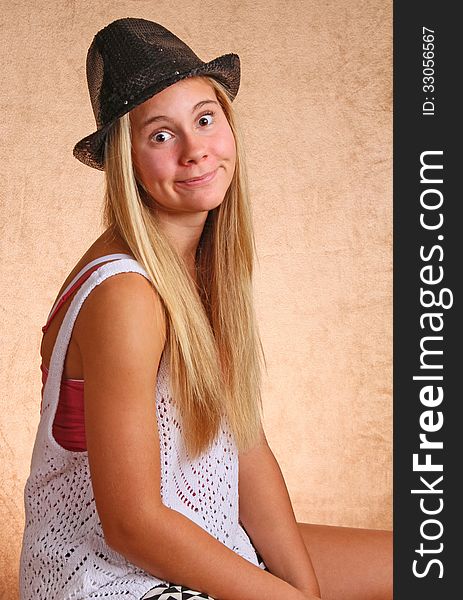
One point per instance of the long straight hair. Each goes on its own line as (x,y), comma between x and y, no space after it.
(214,347)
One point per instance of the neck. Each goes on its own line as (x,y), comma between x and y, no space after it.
(184,236)
(184,233)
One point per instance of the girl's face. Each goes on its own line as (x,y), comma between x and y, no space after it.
(178,135)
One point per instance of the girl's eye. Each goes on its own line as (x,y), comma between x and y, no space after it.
(156,137)
(207,114)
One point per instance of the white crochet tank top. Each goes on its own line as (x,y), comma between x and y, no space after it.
(64,554)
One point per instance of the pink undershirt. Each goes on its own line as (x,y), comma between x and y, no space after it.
(69,424)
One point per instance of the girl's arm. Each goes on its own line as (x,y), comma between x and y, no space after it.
(268,517)
(174,548)
(120,333)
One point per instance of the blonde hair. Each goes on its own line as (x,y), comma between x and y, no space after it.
(212,335)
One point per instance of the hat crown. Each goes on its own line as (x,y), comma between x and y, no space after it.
(120,56)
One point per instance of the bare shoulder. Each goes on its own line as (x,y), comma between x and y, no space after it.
(124,304)
(121,333)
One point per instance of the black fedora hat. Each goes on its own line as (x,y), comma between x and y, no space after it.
(129,61)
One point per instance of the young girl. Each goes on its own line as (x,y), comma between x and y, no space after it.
(133,489)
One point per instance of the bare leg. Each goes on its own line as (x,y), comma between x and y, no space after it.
(350,563)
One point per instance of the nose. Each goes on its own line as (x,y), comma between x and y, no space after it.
(194,148)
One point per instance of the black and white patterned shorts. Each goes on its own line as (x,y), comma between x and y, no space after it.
(165,591)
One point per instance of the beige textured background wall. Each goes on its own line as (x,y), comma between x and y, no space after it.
(315,102)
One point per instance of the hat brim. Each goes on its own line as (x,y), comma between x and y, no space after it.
(226,68)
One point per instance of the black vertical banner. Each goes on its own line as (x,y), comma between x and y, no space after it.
(428,360)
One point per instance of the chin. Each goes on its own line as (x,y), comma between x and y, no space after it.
(206,201)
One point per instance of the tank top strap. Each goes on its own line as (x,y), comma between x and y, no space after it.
(51,390)
(77,281)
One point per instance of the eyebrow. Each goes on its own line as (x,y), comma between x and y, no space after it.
(164,118)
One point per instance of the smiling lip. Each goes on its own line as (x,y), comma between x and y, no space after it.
(197,181)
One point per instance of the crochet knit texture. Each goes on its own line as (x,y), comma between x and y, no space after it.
(64,554)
